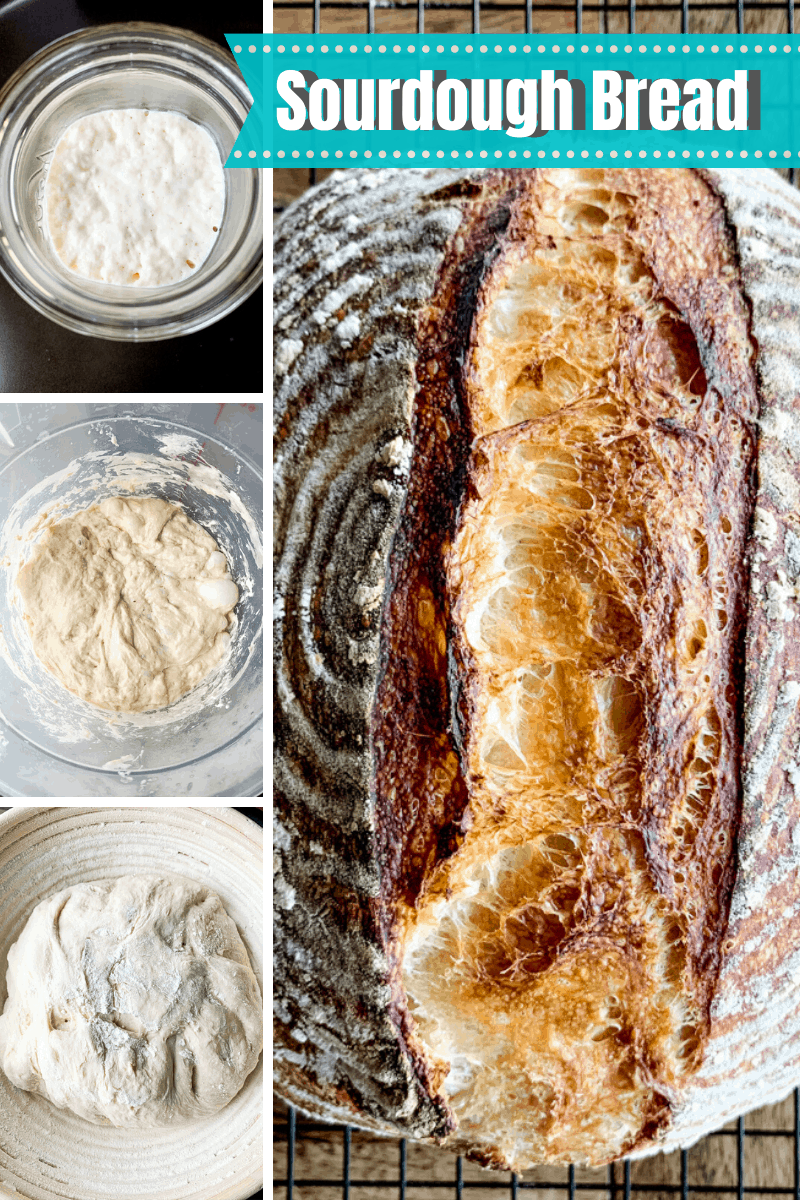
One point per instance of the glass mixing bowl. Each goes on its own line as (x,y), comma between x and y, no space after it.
(131,65)
(210,742)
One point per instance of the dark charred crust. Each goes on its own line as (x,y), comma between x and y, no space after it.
(656,1121)
(418,708)
(460,189)
(341,445)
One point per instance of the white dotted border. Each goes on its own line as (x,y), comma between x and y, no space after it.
(484,49)
(527,154)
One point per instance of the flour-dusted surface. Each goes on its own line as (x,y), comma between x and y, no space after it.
(753,1052)
(131,1001)
(128,604)
(134,197)
(369,244)
(42,852)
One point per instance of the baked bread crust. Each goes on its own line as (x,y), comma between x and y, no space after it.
(371,833)
(343,398)
(752,1054)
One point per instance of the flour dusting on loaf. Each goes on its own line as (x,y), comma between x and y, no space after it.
(343,424)
(537,670)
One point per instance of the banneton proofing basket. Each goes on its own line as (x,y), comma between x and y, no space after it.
(210,742)
(49,1154)
(130,65)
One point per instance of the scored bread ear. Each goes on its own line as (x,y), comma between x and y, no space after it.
(519,648)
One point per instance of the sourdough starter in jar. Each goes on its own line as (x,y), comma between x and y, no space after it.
(134,197)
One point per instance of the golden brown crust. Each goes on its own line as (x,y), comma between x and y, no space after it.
(421,797)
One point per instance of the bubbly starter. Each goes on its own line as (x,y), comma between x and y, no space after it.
(134,197)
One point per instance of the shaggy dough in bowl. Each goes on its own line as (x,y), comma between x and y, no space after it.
(129,603)
(131,1002)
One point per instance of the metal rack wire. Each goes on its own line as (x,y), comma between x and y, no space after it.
(618,1182)
(293,1131)
(576,11)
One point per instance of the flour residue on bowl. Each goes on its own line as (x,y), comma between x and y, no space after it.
(179,445)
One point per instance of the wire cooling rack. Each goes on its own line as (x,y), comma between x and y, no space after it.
(747,1158)
(573,16)
(758,1155)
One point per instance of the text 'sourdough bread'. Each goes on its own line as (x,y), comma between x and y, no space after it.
(537,656)
(131,1001)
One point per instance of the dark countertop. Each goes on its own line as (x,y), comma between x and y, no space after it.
(255,814)
(36,355)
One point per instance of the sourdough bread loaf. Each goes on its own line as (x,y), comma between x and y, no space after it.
(537,659)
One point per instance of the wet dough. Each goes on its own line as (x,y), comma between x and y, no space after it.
(129,603)
(131,1001)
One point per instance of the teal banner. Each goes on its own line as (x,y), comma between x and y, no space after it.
(252,147)
(514,100)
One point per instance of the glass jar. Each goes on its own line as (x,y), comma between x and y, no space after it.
(130,65)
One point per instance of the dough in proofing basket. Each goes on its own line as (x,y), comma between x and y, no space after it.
(131,1002)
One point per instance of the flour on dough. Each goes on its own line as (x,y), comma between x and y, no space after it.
(131,1002)
(129,603)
